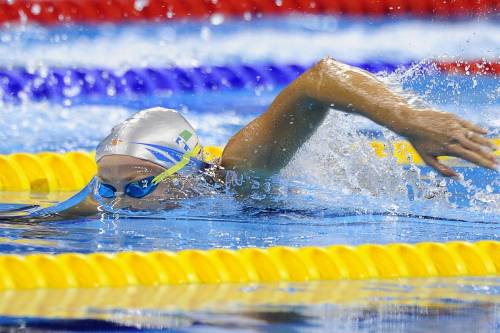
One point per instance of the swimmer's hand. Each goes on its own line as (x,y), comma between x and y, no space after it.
(435,133)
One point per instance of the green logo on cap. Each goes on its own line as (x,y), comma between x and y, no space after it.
(186,135)
(183,138)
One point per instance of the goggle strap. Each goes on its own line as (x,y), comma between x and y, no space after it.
(178,166)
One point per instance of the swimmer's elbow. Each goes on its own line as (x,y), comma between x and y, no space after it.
(328,65)
(330,80)
(321,78)
(338,71)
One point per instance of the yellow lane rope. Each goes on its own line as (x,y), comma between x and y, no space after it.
(275,264)
(48,171)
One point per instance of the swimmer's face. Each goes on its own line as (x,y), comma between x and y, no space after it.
(120,170)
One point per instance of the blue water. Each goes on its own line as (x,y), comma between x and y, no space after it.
(303,219)
(335,198)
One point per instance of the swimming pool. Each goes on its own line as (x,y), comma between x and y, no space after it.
(346,195)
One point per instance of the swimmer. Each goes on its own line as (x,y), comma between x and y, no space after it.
(151,156)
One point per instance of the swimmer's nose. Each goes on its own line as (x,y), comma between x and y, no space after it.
(118,200)
(123,201)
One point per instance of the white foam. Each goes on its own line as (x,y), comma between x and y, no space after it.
(298,40)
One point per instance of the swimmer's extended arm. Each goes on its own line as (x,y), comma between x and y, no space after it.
(268,143)
(78,208)
(87,207)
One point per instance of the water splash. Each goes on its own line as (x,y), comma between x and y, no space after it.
(339,158)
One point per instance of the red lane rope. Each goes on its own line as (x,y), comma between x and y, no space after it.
(95,11)
(483,67)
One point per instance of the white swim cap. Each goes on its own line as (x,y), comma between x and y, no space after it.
(158,135)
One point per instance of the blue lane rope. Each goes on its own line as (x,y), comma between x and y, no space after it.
(62,83)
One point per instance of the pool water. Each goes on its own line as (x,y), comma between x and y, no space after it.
(335,191)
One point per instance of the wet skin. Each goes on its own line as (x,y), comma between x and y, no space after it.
(269,142)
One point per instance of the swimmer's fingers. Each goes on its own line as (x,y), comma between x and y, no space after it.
(480,157)
(468,143)
(473,127)
(482,141)
(432,161)
(479,145)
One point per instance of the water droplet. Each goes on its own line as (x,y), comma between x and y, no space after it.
(278,3)
(71,91)
(111,91)
(36,9)
(140,4)
(217,19)
(170,12)
(23,18)
(67,79)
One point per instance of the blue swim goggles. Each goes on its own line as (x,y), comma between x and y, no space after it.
(138,189)
(141,188)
